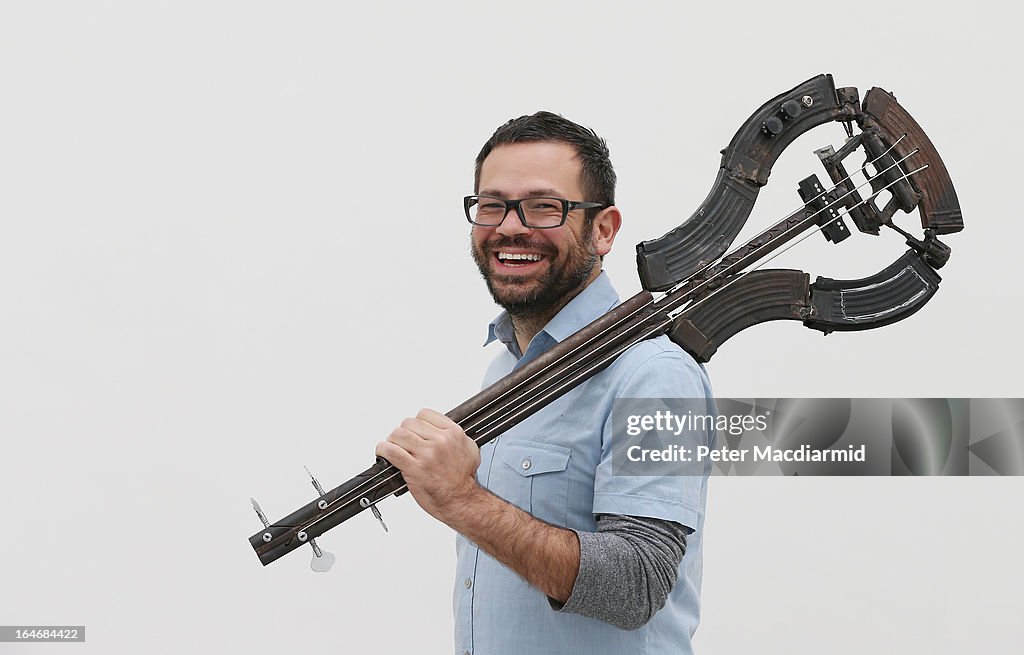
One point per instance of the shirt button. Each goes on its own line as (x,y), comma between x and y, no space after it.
(468,583)
(527,464)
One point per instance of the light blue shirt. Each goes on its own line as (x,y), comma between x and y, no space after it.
(557,465)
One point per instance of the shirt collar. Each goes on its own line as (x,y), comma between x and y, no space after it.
(596,299)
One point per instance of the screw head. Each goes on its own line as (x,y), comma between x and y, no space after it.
(267,537)
(302,536)
(322,504)
(807,101)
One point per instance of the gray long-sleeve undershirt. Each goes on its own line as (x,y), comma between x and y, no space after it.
(627,569)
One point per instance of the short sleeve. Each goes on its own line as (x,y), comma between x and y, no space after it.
(652,372)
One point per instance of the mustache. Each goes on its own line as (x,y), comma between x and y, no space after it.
(520,242)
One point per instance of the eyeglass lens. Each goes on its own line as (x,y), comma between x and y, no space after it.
(537,212)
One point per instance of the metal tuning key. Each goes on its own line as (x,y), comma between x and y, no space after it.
(259,513)
(316,483)
(365,502)
(322,560)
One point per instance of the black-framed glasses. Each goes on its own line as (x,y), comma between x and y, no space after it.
(539,213)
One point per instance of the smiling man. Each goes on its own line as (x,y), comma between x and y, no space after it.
(556,553)
(535,265)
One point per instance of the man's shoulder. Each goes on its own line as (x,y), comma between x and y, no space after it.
(658,366)
(659,352)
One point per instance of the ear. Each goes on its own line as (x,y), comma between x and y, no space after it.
(606,226)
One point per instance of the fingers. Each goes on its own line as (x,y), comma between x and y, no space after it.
(394,455)
(436,419)
(430,424)
(401,447)
(419,428)
(414,438)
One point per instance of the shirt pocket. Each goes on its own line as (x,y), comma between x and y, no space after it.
(538,479)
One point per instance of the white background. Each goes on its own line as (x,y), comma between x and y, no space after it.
(231,244)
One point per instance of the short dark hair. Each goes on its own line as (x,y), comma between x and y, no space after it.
(597,177)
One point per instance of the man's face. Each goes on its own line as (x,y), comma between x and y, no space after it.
(563,259)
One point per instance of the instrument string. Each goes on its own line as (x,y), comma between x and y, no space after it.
(788,246)
(485,428)
(803,224)
(520,385)
(672,304)
(670,318)
(525,409)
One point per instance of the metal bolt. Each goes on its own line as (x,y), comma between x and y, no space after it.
(807,101)
(364,502)
(322,504)
(267,537)
(302,536)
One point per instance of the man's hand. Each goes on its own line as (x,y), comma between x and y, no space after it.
(439,463)
(437,460)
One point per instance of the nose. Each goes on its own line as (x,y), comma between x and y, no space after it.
(512,224)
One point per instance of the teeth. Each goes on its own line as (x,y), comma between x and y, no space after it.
(520,256)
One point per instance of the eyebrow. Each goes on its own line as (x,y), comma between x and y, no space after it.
(532,193)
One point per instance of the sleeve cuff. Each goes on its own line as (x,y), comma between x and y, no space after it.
(584,577)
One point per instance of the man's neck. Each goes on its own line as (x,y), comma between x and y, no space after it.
(526,327)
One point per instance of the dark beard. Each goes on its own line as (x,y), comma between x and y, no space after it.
(551,291)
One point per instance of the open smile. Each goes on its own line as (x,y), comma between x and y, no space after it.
(520,262)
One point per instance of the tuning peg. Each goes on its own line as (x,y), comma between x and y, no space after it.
(322,560)
(365,502)
(316,484)
(263,518)
(259,513)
